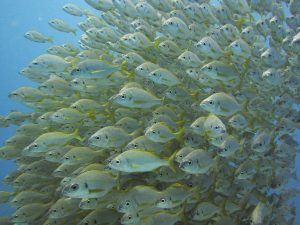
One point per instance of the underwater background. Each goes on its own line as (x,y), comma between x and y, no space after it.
(17,17)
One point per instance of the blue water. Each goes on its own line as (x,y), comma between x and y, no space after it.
(17,17)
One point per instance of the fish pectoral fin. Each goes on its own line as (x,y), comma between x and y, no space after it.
(96,71)
(224,109)
(97,190)
(162,136)
(139,101)
(135,166)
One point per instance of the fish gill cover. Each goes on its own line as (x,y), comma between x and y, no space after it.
(168,112)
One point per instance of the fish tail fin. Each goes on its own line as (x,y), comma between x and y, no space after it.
(50,40)
(180,134)
(171,163)
(76,135)
(123,68)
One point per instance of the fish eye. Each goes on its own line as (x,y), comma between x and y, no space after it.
(97,137)
(210,68)
(210,102)
(127,203)
(190,162)
(162,200)
(118,161)
(74,187)
(35,145)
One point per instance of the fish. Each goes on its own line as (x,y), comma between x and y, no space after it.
(29,213)
(220,104)
(189,59)
(63,207)
(51,63)
(27,197)
(204,211)
(163,76)
(209,48)
(135,98)
(90,184)
(162,112)
(173,196)
(61,25)
(50,139)
(138,196)
(74,10)
(36,36)
(93,68)
(161,133)
(213,126)
(176,27)
(229,146)
(197,162)
(109,137)
(220,71)
(80,155)
(136,160)
(101,216)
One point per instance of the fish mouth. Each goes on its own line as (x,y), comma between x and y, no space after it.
(182,165)
(65,190)
(113,98)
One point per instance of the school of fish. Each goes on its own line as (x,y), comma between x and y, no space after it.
(167,112)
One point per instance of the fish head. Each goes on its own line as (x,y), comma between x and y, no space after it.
(116,163)
(19,217)
(153,134)
(203,45)
(155,75)
(170,24)
(209,104)
(58,117)
(130,219)
(209,69)
(164,46)
(76,188)
(127,206)
(33,148)
(99,139)
(28,35)
(55,212)
(15,95)
(164,202)
(189,165)
(121,99)
(88,203)
(76,71)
